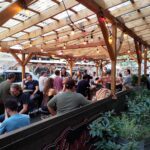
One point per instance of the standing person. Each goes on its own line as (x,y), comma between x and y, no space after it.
(5,90)
(42,81)
(128,80)
(83,86)
(67,101)
(48,93)
(64,73)
(58,82)
(15,120)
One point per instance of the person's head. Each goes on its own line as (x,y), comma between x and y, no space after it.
(11,77)
(29,78)
(128,72)
(120,75)
(57,73)
(63,70)
(11,106)
(48,85)
(86,77)
(70,85)
(94,73)
(15,89)
(85,71)
(104,69)
(43,73)
(108,73)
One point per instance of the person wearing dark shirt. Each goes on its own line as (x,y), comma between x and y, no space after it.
(32,86)
(83,86)
(22,98)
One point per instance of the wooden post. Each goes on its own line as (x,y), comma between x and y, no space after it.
(113,76)
(138,48)
(139,74)
(71,64)
(145,62)
(113,61)
(97,68)
(23,66)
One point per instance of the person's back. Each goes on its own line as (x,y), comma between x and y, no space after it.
(4,90)
(82,87)
(14,122)
(58,81)
(42,80)
(68,100)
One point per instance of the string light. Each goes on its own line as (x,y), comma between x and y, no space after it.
(72,32)
(128,51)
(64,47)
(110,39)
(42,50)
(27,12)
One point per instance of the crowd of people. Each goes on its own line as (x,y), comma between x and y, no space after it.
(55,96)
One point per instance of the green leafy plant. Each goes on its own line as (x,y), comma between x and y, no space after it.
(134,79)
(144,79)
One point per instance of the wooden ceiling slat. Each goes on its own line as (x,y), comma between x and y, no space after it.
(130,7)
(38,18)
(12,10)
(57,25)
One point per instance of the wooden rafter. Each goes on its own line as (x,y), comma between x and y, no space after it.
(99,10)
(37,18)
(12,10)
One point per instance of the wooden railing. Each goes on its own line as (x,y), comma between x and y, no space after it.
(69,131)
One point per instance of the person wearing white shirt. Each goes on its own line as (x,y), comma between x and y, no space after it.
(42,80)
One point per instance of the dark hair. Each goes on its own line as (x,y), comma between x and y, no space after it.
(57,72)
(108,72)
(128,70)
(11,76)
(16,86)
(70,84)
(42,73)
(11,104)
(48,85)
(29,75)
(120,74)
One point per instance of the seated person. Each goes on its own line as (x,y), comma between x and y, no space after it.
(15,119)
(83,86)
(67,101)
(22,98)
(33,87)
(102,93)
(48,93)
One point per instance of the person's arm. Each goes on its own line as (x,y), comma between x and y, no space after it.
(52,111)
(2,128)
(52,105)
(84,101)
(24,109)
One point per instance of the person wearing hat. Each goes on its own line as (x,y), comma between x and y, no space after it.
(67,101)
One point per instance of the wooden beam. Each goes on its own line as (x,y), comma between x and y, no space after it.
(90,4)
(27,59)
(106,37)
(36,18)
(145,62)
(120,42)
(12,10)
(17,58)
(113,61)
(23,67)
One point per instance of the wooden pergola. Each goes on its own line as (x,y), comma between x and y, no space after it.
(97,30)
